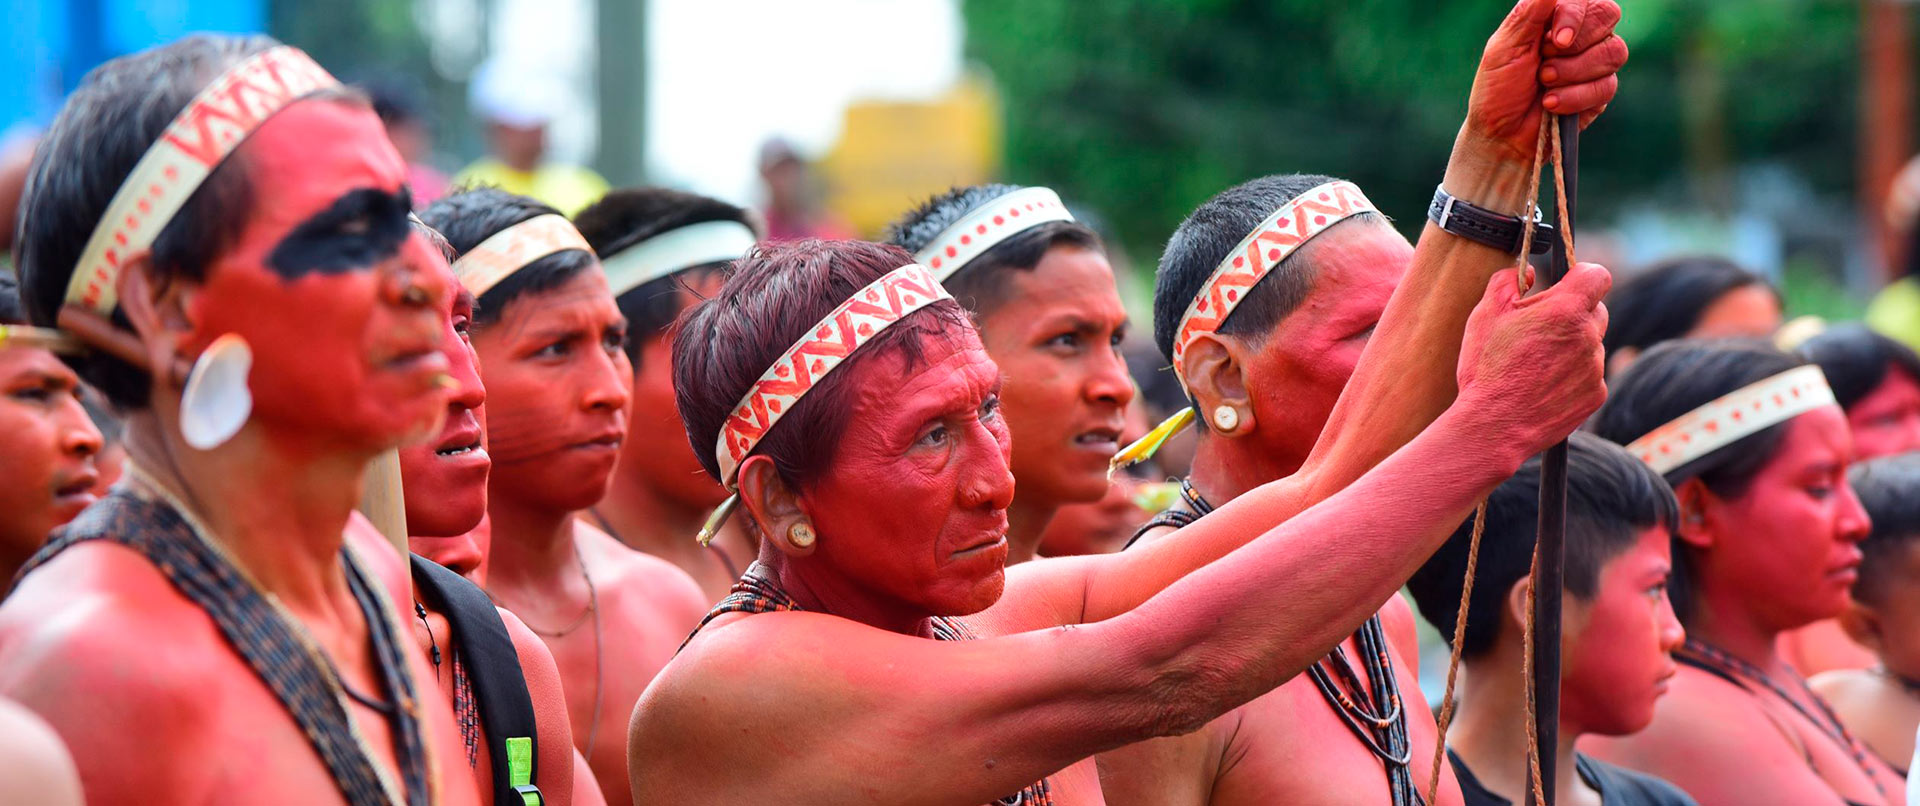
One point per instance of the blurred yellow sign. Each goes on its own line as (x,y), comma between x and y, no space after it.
(892,155)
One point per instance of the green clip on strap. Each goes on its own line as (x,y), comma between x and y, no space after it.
(520,769)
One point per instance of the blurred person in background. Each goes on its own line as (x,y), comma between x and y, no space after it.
(793,195)
(1876,380)
(516,103)
(16,154)
(1757,452)
(1881,704)
(1038,286)
(1895,311)
(663,250)
(1618,631)
(49,444)
(1098,527)
(1687,298)
(552,348)
(405,115)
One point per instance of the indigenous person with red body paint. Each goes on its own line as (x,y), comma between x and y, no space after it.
(1876,381)
(1107,524)
(225,228)
(498,676)
(45,434)
(662,250)
(1757,454)
(551,343)
(1272,360)
(1040,290)
(1882,705)
(1618,631)
(1687,298)
(828,376)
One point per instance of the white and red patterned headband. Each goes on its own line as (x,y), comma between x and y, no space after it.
(675,251)
(193,145)
(511,249)
(1280,235)
(828,344)
(1739,414)
(993,222)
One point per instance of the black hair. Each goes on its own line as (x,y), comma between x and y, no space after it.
(1856,360)
(1209,234)
(1889,490)
(470,216)
(396,101)
(1665,301)
(10,311)
(981,285)
(1675,378)
(119,110)
(1611,498)
(624,218)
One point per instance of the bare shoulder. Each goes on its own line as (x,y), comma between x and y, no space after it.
(1841,686)
(38,768)
(666,588)
(1396,620)
(379,558)
(1709,738)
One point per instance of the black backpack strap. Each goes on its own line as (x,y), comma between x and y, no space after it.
(493,667)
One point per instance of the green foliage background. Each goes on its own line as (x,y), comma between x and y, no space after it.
(1141,109)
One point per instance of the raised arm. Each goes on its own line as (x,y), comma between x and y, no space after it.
(803,698)
(1405,377)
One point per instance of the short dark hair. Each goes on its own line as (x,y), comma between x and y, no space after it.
(771,297)
(1665,301)
(625,217)
(1209,234)
(470,216)
(119,110)
(981,285)
(1611,498)
(10,311)
(1889,489)
(1856,359)
(1675,378)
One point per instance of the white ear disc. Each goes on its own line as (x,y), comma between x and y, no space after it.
(216,402)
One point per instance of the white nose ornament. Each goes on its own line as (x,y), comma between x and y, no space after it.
(216,402)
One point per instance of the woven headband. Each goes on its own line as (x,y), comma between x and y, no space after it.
(1742,413)
(995,221)
(1280,235)
(511,249)
(676,250)
(828,344)
(198,139)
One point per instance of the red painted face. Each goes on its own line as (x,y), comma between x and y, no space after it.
(558,382)
(1619,646)
(1057,339)
(1299,371)
(47,475)
(1747,312)
(340,360)
(446,477)
(930,442)
(667,463)
(1107,524)
(1887,420)
(1788,546)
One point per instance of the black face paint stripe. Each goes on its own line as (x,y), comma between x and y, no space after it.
(358,230)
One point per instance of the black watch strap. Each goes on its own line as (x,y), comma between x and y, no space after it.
(1480,225)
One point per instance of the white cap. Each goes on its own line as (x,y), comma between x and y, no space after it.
(518,95)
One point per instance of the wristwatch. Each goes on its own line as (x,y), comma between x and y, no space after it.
(1480,225)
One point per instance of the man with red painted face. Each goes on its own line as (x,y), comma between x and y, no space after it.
(828,376)
(1039,288)
(551,345)
(1756,451)
(1876,380)
(221,203)
(48,439)
(662,250)
(1306,348)
(1618,631)
(498,676)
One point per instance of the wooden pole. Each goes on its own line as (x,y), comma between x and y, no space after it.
(1550,571)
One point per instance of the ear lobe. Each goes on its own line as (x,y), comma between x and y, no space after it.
(774,508)
(1516,601)
(1216,378)
(1697,513)
(157,311)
